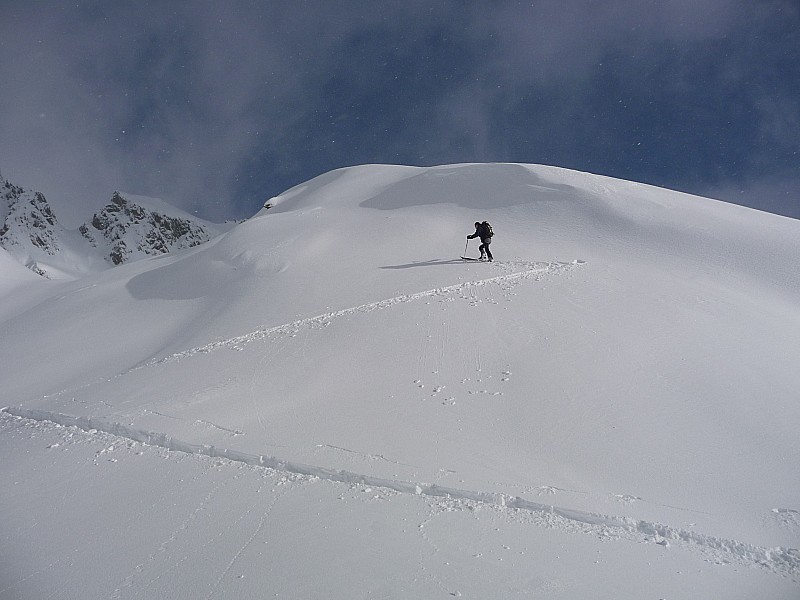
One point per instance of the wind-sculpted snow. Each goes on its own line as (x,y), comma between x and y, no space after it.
(783,561)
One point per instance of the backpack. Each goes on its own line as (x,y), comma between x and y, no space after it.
(487,229)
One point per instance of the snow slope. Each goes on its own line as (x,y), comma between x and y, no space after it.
(19,286)
(608,410)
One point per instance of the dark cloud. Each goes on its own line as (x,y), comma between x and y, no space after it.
(217,106)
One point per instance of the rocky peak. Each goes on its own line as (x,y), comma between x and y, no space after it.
(128,229)
(29,229)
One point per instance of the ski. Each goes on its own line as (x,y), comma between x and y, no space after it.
(470,258)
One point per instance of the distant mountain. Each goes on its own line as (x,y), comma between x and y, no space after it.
(128,228)
(30,230)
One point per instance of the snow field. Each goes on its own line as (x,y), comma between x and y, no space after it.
(607,411)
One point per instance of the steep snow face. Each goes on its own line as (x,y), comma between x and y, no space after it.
(128,229)
(625,369)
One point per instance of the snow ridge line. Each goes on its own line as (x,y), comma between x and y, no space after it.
(325,318)
(779,560)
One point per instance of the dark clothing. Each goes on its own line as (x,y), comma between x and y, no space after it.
(484,248)
(482,232)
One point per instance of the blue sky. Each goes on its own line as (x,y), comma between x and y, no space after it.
(216,107)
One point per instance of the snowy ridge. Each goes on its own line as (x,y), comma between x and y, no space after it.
(782,561)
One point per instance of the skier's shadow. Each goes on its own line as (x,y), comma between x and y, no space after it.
(426,263)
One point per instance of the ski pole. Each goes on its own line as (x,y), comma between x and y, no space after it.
(465,247)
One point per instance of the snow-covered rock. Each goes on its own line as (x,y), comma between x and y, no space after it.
(30,230)
(128,228)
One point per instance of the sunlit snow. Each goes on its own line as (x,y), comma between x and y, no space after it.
(327,402)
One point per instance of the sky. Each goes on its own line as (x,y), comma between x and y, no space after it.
(216,107)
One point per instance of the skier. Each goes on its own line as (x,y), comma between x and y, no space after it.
(483,231)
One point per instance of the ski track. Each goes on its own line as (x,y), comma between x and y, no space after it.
(531,270)
(783,561)
(778,560)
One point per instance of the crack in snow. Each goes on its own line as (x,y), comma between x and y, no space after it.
(780,560)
